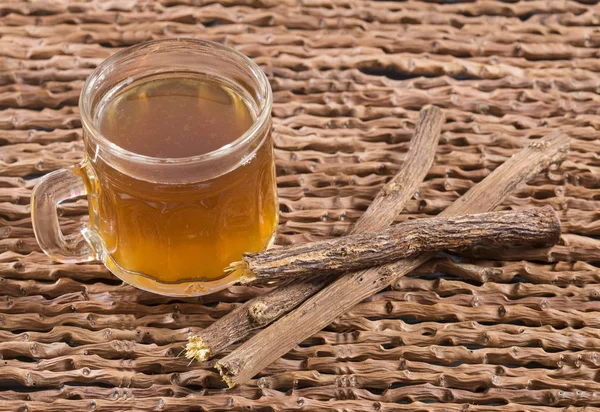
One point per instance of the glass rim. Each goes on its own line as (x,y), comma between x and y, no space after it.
(264,109)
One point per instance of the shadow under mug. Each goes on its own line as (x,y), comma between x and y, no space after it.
(161,224)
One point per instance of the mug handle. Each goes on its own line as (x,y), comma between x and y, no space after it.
(49,192)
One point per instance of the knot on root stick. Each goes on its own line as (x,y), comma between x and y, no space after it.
(259,313)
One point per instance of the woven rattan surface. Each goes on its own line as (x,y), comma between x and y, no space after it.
(349,78)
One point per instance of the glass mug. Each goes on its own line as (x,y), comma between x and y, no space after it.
(167,225)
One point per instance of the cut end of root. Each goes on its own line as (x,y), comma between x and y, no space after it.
(245,274)
(197,350)
(223,372)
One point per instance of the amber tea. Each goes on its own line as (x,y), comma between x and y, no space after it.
(178,169)
(189,231)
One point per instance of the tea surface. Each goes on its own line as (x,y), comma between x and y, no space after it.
(175,117)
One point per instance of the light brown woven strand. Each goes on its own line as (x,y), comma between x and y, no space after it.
(488,64)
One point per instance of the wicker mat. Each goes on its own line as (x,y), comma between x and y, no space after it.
(349,78)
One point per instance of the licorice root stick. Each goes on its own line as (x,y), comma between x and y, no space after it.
(348,290)
(350,253)
(387,205)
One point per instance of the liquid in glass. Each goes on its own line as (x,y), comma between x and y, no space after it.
(186,231)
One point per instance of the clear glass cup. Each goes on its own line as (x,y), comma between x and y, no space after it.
(209,206)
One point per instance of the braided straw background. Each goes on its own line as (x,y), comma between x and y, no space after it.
(349,78)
